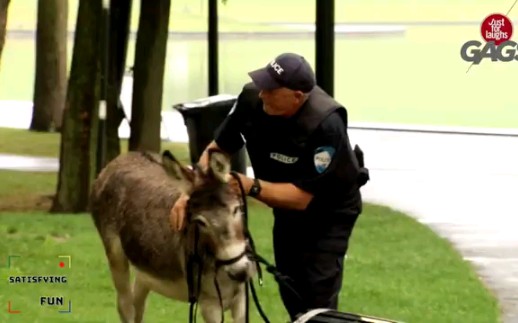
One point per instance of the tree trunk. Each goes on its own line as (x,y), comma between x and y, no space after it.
(120,18)
(51,65)
(150,53)
(4,4)
(79,132)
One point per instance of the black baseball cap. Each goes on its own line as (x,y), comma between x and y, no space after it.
(288,70)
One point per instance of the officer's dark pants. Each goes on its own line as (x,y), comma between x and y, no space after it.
(316,276)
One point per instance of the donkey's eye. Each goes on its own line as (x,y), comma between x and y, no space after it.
(236,210)
(199,220)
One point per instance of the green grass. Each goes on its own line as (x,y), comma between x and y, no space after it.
(24,142)
(396,268)
(26,191)
(40,144)
(418,79)
(23,191)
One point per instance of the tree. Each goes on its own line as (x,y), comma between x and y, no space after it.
(120,18)
(51,65)
(4,4)
(80,118)
(150,54)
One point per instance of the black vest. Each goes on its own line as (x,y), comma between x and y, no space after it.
(278,153)
(276,145)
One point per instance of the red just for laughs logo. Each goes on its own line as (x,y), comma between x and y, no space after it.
(496,28)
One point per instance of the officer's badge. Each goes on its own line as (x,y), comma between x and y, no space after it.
(322,158)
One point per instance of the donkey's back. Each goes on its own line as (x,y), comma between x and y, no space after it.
(133,189)
(131,201)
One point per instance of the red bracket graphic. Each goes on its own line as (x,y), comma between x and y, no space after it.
(9,309)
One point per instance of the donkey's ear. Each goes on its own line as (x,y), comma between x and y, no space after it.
(176,170)
(219,165)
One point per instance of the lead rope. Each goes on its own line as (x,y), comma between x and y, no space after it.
(219,296)
(193,295)
(193,299)
(250,284)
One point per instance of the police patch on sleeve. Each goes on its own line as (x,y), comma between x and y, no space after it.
(322,158)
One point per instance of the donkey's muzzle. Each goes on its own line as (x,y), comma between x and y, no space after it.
(237,268)
(231,261)
(239,276)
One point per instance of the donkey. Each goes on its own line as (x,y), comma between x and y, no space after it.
(131,202)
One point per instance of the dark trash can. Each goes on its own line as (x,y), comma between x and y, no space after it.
(202,118)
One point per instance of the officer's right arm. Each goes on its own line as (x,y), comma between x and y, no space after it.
(228,135)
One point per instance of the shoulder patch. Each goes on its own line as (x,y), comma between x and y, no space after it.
(322,158)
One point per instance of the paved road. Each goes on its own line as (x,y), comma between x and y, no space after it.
(463,186)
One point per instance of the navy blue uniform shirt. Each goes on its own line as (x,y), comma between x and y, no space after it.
(323,164)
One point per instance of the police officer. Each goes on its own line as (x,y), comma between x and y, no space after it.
(305,169)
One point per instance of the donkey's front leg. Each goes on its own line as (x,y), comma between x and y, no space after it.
(238,307)
(210,310)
